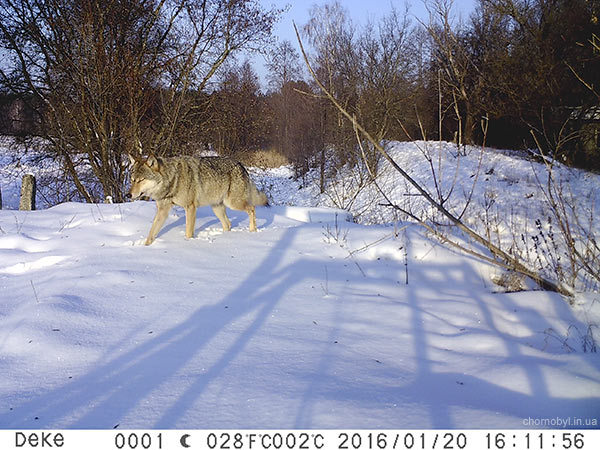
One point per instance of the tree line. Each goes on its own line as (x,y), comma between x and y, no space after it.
(101,77)
(515,73)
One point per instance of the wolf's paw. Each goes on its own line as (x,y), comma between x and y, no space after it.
(134,242)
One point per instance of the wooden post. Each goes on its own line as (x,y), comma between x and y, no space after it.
(27,202)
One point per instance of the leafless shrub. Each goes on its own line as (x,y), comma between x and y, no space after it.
(576,236)
(587,340)
(335,234)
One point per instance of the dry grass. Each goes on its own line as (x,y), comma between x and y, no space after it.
(264,159)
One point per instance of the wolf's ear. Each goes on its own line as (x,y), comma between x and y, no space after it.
(153,162)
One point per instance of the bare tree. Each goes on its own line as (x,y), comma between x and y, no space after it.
(373,72)
(112,73)
(453,68)
(333,37)
(296,124)
(284,68)
(387,79)
(284,65)
(236,111)
(296,116)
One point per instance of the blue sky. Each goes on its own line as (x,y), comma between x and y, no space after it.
(360,11)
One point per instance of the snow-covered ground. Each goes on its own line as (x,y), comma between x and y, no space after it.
(501,194)
(312,322)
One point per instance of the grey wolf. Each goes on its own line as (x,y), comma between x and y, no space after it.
(192,182)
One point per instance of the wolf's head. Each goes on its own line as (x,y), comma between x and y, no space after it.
(145,177)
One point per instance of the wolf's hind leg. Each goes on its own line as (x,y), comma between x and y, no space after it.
(243,205)
(252,216)
(219,211)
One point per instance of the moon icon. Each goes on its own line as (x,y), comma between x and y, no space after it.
(183,441)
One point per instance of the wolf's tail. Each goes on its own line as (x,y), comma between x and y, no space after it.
(259,198)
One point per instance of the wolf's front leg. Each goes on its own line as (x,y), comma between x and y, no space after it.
(162,211)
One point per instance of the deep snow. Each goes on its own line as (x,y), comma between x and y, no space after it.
(312,322)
